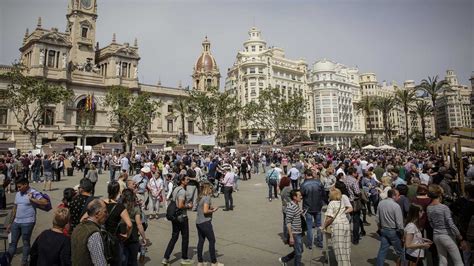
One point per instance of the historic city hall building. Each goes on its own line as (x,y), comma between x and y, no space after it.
(74,60)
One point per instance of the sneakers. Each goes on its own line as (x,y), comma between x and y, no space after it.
(165,261)
(217,264)
(281,261)
(187,262)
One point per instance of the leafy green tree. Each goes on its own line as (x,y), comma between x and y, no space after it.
(132,114)
(423,109)
(278,113)
(181,106)
(385,105)
(405,98)
(216,112)
(28,97)
(433,88)
(366,105)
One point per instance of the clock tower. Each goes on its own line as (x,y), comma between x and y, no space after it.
(81,26)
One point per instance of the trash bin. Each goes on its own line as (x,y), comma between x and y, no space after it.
(70,171)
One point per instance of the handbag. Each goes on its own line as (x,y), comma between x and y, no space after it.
(304,226)
(328,228)
(357,205)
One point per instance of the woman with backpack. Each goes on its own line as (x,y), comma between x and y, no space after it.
(118,223)
(93,176)
(132,243)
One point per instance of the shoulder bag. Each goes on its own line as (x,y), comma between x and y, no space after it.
(328,228)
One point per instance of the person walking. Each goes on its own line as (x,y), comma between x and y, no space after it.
(294,175)
(285,189)
(445,231)
(228,183)
(181,224)
(47,173)
(352,184)
(336,219)
(272,182)
(36,168)
(415,244)
(87,246)
(390,225)
(93,176)
(313,194)
(52,247)
(78,205)
(204,227)
(23,217)
(295,231)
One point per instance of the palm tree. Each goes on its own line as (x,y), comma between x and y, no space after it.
(181,104)
(385,105)
(423,109)
(433,88)
(366,105)
(404,98)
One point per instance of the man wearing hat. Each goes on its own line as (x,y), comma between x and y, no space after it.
(141,182)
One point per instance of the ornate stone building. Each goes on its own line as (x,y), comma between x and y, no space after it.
(74,60)
(453,105)
(206,73)
(258,67)
(336,89)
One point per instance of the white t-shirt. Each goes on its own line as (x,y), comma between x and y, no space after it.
(417,239)
(424,178)
(279,171)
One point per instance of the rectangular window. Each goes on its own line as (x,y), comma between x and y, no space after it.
(48,117)
(190,126)
(51,58)
(124,69)
(3,115)
(170,125)
(170,108)
(252,70)
(253,48)
(84,32)
(327,119)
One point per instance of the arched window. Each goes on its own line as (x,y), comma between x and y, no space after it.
(86,112)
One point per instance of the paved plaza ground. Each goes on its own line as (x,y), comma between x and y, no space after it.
(249,235)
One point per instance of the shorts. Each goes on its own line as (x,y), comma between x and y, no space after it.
(48,176)
(410,258)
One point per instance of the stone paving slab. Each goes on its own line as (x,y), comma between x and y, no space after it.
(249,235)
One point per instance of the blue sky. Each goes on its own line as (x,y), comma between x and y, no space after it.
(396,39)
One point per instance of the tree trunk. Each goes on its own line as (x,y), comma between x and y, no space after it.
(83,144)
(423,129)
(406,129)
(370,129)
(33,139)
(434,115)
(183,130)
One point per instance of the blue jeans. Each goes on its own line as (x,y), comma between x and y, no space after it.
(297,252)
(316,218)
(389,238)
(112,173)
(36,174)
(25,231)
(272,184)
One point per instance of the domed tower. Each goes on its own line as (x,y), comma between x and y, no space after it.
(206,73)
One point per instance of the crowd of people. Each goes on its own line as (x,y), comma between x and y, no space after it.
(415,197)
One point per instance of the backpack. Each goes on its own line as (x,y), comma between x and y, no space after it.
(46,207)
(172,212)
(110,242)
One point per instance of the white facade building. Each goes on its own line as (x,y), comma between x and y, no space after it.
(336,89)
(258,67)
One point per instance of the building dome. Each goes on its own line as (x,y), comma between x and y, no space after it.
(206,62)
(324,65)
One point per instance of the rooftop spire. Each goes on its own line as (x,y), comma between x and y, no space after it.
(135,42)
(27,32)
(38,25)
(113,38)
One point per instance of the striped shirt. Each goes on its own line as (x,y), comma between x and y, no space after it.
(441,221)
(293,217)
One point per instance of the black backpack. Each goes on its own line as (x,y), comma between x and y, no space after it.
(172,212)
